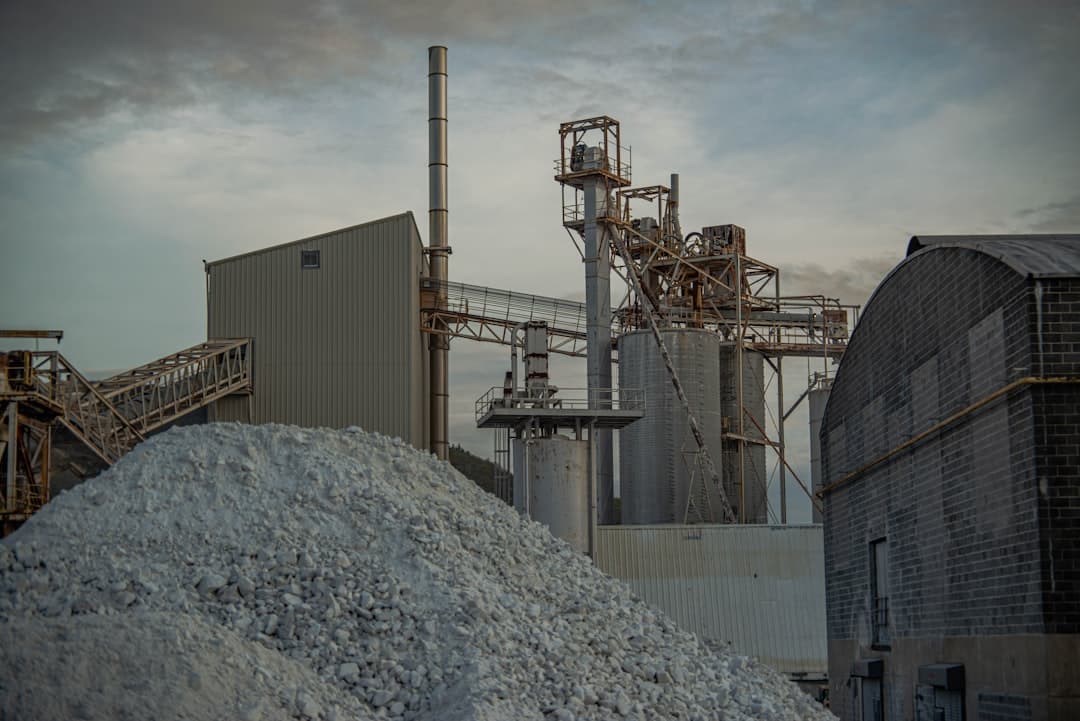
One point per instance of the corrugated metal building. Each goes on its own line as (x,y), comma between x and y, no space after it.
(335,320)
(761,588)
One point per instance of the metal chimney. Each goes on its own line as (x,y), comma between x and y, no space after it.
(438,249)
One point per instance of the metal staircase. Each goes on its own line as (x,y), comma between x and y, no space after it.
(40,388)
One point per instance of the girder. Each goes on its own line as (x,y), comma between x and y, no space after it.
(38,388)
(490,315)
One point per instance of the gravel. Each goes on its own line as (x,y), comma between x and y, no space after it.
(264,572)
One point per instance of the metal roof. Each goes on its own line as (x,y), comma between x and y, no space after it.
(269,249)
(1030,255)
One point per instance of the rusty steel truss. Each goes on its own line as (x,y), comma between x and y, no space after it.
(801,328)
(490,315)
(41,388)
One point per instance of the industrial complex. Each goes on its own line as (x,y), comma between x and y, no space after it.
(941,577)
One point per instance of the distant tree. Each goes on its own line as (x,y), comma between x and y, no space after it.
(480,470)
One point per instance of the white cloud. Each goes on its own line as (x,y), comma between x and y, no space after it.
(816,128)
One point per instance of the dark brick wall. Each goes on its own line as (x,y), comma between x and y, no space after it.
(1057,440)
(944,330)
(1001,707)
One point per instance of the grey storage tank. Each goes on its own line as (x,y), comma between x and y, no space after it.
(558,474)
(658,457)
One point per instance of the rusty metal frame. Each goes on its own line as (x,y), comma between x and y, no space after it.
(38,388)
(490,315)
(158,393)
(24,482)
(56,335)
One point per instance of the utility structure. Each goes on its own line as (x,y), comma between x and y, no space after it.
(39,389)
(554,433)
(594,173)
(697,323)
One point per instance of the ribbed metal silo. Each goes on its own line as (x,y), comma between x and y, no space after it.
(657,454)
(751,492)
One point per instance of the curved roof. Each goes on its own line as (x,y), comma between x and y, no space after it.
(1030,255)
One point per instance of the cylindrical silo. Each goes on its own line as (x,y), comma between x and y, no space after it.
(818,398)
(558,474)
(658,456)
(745,480)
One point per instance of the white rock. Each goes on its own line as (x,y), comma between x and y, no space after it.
(307,706)
(382,573)
(210,582)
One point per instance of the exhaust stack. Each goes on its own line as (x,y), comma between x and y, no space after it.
(438,249)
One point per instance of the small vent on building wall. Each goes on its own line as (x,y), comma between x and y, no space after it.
(309,259)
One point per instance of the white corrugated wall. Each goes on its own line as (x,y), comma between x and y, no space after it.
(762,588)
(335,346)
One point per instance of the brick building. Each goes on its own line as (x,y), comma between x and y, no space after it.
(951,458)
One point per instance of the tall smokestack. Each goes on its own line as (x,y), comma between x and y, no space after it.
(438,249)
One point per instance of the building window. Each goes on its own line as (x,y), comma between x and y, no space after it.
(879,592)
(309,259)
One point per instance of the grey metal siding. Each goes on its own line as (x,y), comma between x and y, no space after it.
(335,346)
(762,588)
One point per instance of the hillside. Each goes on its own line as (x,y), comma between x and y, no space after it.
(480,470)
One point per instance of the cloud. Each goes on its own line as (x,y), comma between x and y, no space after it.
(68,65)
(830,130)
(1059,217)
(852,283)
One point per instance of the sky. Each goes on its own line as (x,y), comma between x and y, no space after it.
(139,138)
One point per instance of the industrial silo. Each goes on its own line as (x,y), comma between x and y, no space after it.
(658,457)
(745,478)
(558,476)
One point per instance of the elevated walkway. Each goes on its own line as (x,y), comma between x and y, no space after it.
(802,325)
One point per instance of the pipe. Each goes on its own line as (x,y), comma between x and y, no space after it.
(1039,321)
(819,398)
(673,206)
(780,437)
(438,249)
(739,386)
(12,453)
(597,238)
(591,490)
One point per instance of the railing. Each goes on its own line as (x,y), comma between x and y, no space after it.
(570,166)
(800,326)
(113,415)
(614,399)
(52,382)
(492,314)
(574,213)
(158,393)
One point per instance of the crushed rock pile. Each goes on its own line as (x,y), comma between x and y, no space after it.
(266,572)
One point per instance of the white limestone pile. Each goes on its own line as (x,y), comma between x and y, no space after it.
(331,575)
